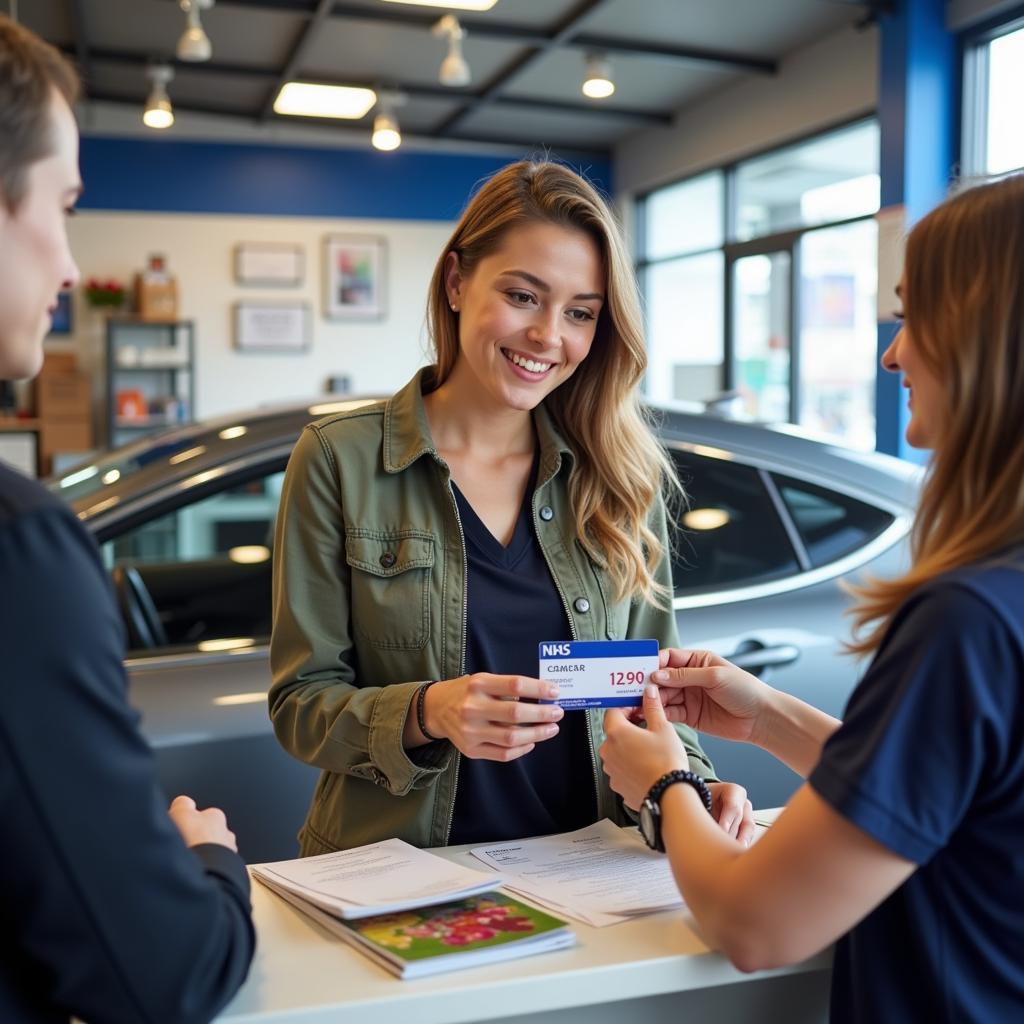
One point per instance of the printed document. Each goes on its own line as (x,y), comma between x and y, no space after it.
(600,875)
(375,879)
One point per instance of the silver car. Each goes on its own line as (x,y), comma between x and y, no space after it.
(185,522)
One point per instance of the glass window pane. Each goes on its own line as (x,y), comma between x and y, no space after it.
(761,327)
(205,566)
(832,177)
(731,534)
(684,328)
(682,218)
(211,528)
(831,525)
(838,332)
(1005,128)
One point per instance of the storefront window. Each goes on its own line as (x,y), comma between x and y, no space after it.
(779,307)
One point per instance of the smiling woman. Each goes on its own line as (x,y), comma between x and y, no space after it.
(510,494)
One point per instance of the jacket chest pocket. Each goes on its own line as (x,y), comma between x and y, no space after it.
(391,586)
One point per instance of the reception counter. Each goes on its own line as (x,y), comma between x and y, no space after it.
(655,968)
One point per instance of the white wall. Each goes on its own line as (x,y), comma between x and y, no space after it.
(378,356)
(829,81)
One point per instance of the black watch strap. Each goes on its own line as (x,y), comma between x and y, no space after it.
(670,778)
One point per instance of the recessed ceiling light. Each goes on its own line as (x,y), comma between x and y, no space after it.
(452,5)
(306,99)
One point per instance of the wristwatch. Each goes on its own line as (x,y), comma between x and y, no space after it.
(650,809)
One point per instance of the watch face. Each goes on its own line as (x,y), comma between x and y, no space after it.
(647,828)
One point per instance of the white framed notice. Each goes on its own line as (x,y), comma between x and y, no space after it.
(269,264)
(272,326)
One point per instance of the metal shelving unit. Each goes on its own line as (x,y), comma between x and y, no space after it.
(150,377)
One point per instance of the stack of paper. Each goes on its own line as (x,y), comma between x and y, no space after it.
(412,912)
(600,875)
(376,879)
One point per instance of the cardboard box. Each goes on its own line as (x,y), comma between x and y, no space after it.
(59,363)
(63,396)
(156,300)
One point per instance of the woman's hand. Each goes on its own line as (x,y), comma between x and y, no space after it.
(635,758)
(710,694)
(489,716)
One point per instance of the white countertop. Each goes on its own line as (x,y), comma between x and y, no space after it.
(303,974)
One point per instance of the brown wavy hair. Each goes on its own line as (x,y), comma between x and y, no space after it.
(619,467)
(30,71)
(963,301)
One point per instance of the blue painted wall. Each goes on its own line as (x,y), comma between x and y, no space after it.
(173,176)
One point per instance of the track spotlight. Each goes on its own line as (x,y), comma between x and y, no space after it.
(158,112)
(454,69)
(194,44)
(597,81)
(386,134)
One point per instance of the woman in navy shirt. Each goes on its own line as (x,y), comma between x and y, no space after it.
(907,842)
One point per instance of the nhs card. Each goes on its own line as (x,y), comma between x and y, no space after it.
(598,673)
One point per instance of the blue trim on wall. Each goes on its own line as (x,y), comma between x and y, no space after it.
(176,176)
(891,412)
(918,113)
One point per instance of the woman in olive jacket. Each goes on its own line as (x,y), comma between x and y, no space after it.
(510,494)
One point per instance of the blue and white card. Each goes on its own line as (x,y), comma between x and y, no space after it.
(598,673)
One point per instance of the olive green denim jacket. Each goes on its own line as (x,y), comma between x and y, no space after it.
(370,600)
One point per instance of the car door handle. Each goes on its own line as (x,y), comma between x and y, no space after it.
(748,656)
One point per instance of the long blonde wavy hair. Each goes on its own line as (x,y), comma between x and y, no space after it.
(963,300)
(618,467)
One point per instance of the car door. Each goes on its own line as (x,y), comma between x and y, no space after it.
(193,580)
(758,556)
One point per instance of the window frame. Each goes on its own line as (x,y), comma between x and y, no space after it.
(787,240)
(974,70)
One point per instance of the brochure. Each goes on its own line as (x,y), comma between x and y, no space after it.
(376,879)
(470,932)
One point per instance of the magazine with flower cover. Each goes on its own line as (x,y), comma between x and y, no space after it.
(479,929)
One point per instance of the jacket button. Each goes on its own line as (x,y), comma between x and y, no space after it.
(582,605)
(547,513)
(388,559)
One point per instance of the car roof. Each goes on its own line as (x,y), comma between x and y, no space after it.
(199,452)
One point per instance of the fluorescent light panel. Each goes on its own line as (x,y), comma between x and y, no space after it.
(452,5)
(306,99)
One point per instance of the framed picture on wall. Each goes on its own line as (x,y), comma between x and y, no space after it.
(354,277)
(272,326)
(269,264)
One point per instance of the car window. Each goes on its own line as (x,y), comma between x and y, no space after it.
(831,525)
(200,574)
(731,533)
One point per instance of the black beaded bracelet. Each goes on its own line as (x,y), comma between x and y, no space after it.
(690,778)
(421,718)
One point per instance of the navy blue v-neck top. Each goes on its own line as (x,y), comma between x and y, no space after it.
(513,606)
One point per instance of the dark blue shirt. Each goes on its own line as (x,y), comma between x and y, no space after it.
(514,606)
(105,913)
(929,761)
